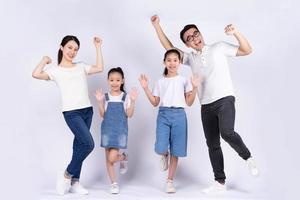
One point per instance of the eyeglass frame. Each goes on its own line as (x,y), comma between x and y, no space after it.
(195,34)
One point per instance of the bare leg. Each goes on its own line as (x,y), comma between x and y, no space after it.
(172,167)
(112,156)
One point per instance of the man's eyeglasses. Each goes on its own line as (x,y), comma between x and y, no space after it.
(191,38)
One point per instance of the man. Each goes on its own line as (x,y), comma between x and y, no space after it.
(217,95)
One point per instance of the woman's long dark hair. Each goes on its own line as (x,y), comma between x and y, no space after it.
(64,41)
(170,51)
(120,71)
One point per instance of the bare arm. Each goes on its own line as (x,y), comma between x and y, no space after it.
(196,81)
(38,72)
(144,83)
(133,96)
(160,33)
(100,99)
(98,67)
(164,40)
(244,46)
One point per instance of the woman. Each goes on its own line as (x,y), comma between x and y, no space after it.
(70,77)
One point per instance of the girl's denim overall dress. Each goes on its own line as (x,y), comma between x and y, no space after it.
(114,127)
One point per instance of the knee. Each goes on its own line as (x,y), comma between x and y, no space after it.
(89,146)
(112,158)
(213,146)
(227,135)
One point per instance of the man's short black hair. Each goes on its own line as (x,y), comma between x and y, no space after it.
(187,27)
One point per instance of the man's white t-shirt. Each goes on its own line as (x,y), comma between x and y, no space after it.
(171,91)
(212,64)
(72,83)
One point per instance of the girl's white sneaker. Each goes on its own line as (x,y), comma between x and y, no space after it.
(114,188)
(124,164)
(170,187)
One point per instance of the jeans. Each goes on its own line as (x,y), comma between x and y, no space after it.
(218,119)
(79,121)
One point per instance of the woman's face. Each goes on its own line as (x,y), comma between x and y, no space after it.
(115,81)
(70,50)
(172,63)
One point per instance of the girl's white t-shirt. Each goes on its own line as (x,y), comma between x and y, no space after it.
(171,91)
(118,98)
(72,84)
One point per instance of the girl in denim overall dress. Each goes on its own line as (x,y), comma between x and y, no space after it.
(173,92)
(115,107)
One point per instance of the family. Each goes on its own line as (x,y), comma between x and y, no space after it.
(211,82)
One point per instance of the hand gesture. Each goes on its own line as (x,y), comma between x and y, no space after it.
(133,94)
(155,20)
(230,29)
(97,42)
(99,96)
(196,80)
(46,60)
(143,81)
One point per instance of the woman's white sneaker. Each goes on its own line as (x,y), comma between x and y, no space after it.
(63,184)
(215,188)
(114,188)
(77,188)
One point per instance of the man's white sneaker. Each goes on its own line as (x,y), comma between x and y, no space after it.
(215,188)
(114,188)
(164,162)
(170,187)
(77,188)
(63,184)
(124,163)
(252,167)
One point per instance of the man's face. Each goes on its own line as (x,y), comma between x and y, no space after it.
(193,39)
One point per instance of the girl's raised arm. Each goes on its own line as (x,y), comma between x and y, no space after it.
(133,96)
(196,81)
(100,99)
(144,83)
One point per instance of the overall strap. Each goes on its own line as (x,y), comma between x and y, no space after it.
(106,97)
(124,96)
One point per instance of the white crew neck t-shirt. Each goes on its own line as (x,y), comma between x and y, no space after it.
(212,64)
(171,91)
(72,84)
(118,98)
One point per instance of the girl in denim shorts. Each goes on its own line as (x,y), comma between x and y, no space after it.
(172,93)
(115,107)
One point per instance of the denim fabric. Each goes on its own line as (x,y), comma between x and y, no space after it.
(79,121)
(218,120)
(171,131)
(114,127)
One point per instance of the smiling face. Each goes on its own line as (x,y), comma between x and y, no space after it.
(70,50)
(193,39)
(115,81)
(172,62)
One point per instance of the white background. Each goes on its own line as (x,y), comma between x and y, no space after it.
(36,143)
